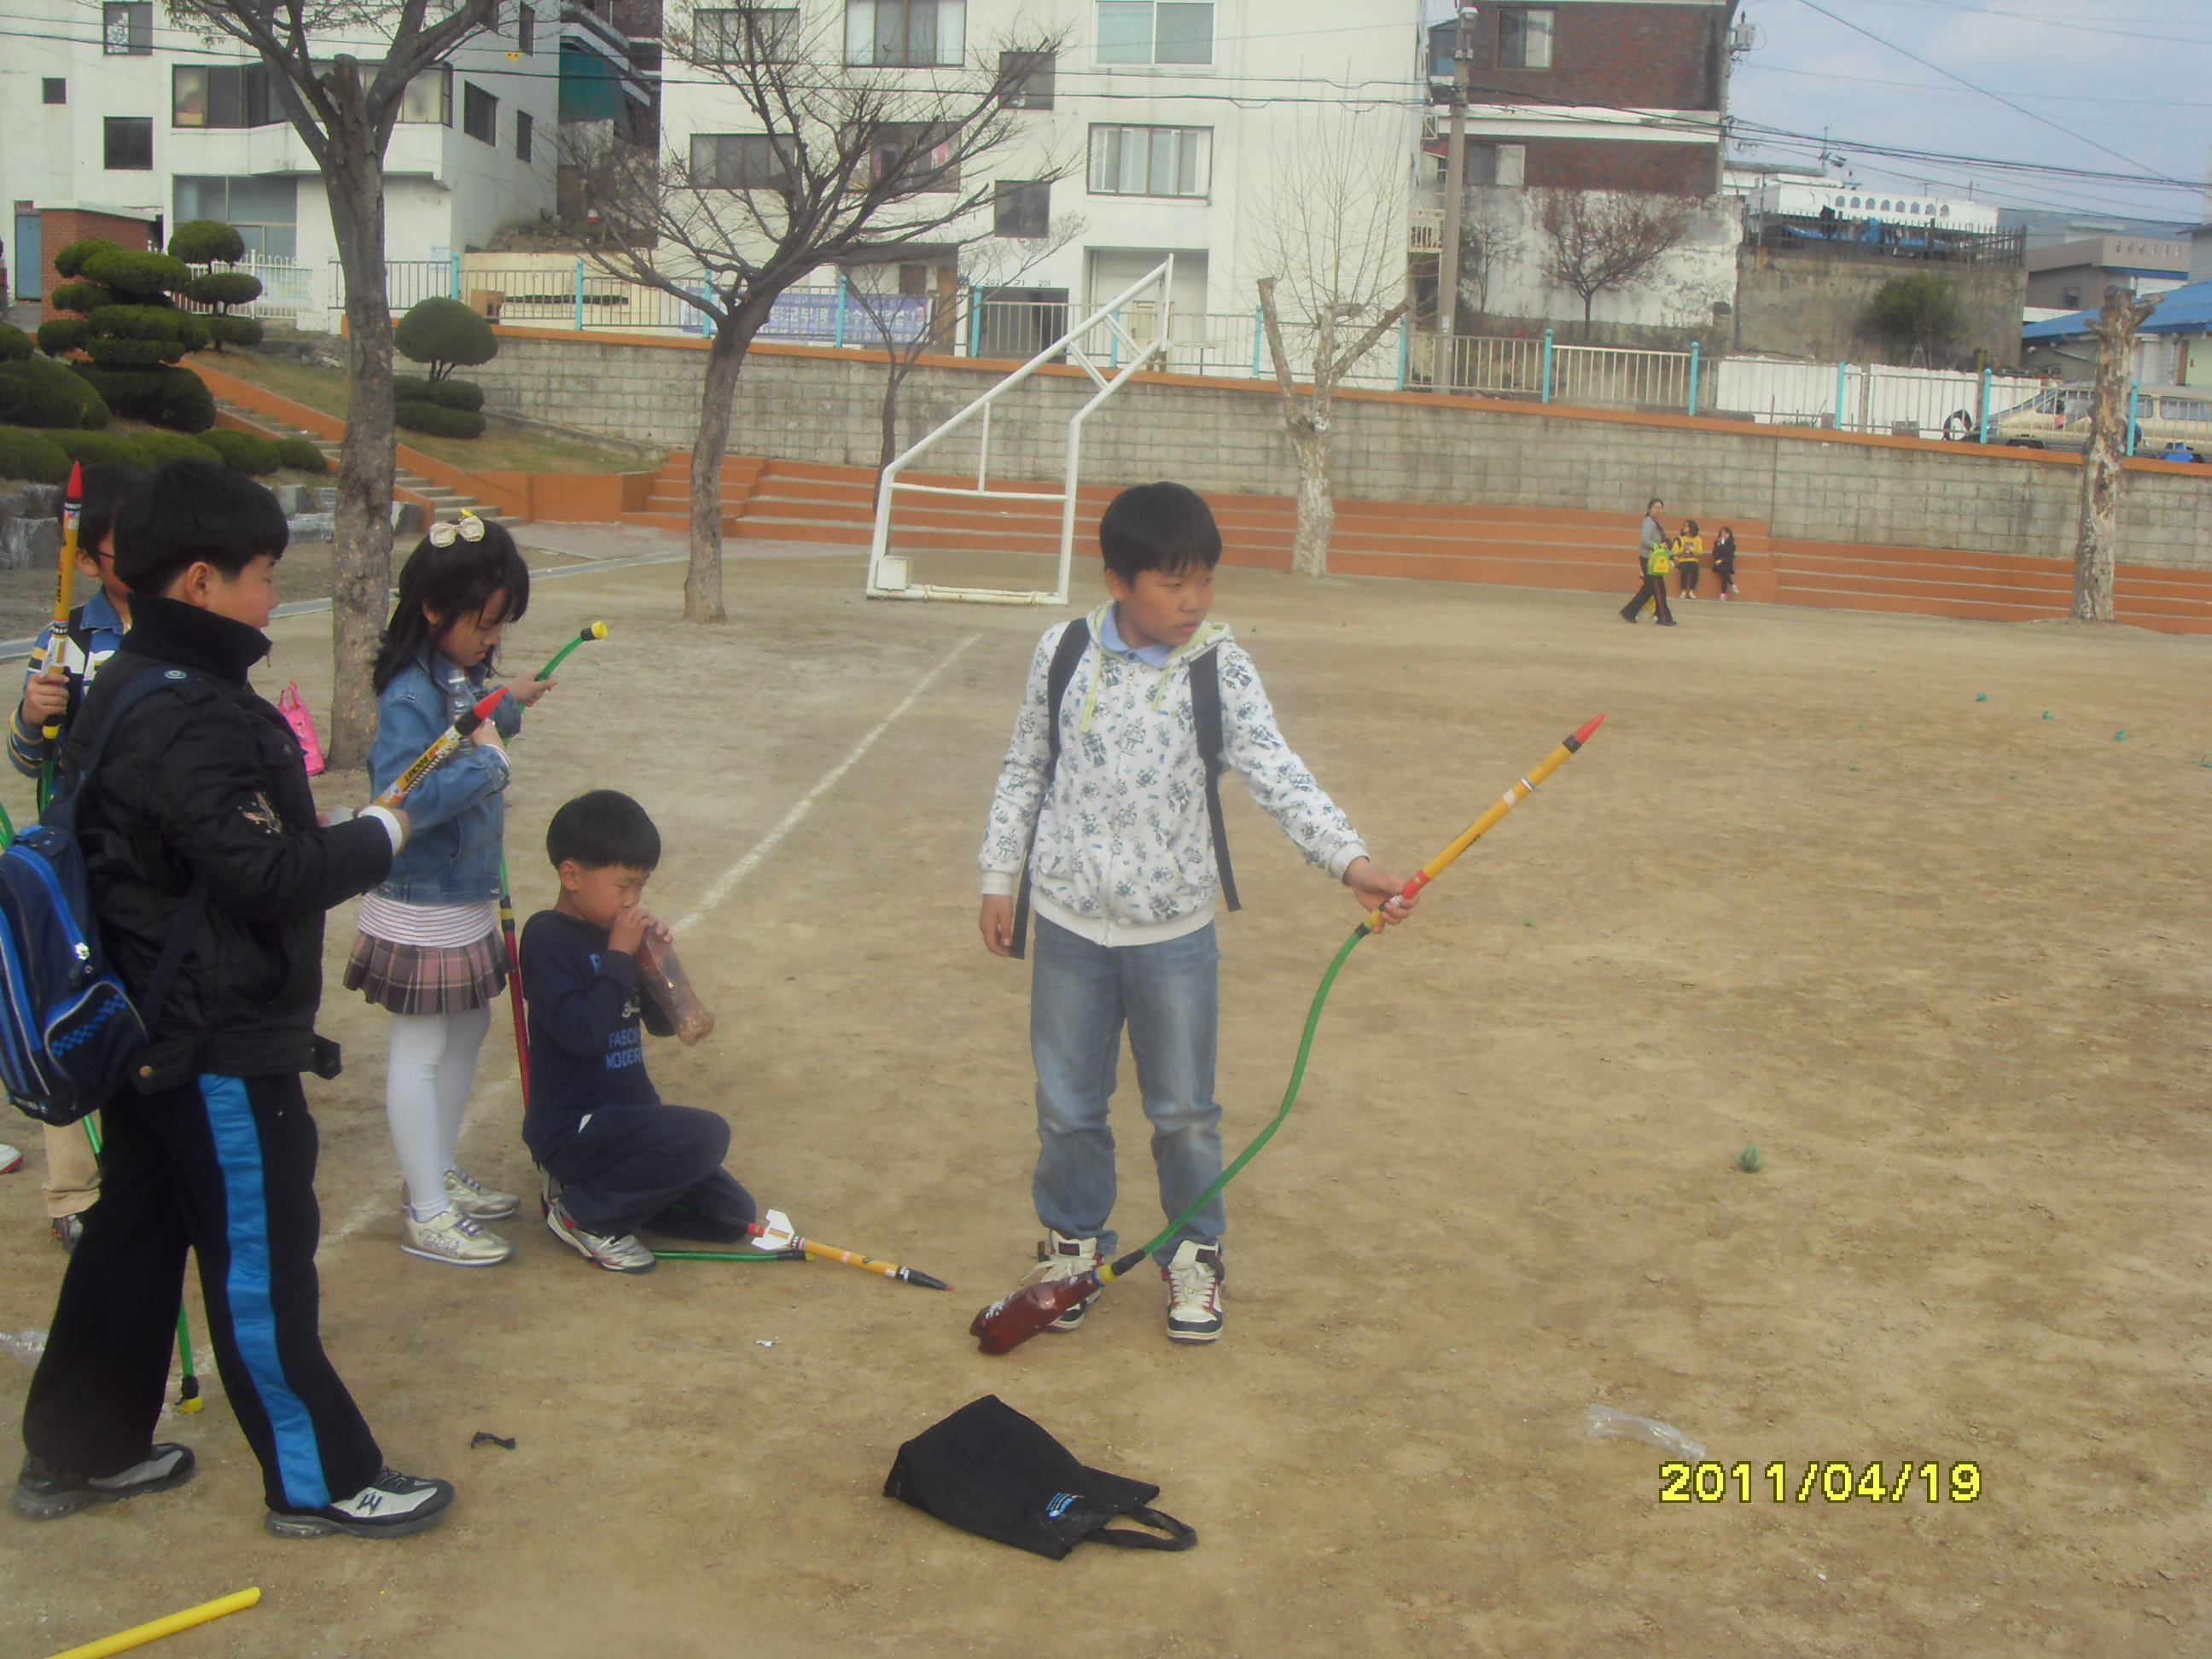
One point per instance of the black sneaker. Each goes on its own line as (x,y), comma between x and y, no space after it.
(391,1506)
(45,1493)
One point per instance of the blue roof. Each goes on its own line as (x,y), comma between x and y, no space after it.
(2180,311)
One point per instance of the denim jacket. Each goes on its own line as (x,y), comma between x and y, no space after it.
(457,812)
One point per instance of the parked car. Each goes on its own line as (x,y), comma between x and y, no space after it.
(2059,419)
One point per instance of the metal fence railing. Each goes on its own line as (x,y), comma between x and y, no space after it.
(1885,238)
(289,292)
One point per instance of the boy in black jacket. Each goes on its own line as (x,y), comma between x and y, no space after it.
(202,795)
(615,1157)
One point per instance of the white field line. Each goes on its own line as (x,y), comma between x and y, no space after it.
(745,867)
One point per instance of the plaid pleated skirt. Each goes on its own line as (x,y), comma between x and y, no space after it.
(427,979)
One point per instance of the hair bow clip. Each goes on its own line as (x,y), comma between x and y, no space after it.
(468,528)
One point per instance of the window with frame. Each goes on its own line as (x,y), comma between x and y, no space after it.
(127,30)
(1504,165)
(1029,78)
(53,89)
(264,211)
(906,33)
(128,144)
(526,131)
(1150,160)
(919,153)
(479,113)
(429,99)
(739,161)
(1524,37)
(526,31)
(1022,208)
(221,95)
(1155,31)
(746,34)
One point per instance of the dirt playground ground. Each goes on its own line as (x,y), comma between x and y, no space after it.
(1889,898)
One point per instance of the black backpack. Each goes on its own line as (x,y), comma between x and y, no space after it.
(68,1030)
(1205,713)
(988,1470)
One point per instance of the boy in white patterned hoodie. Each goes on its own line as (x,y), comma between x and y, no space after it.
(1124,870)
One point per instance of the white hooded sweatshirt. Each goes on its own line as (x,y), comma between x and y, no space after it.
(1124,855)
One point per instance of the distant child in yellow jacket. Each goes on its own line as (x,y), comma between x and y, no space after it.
(1689,550)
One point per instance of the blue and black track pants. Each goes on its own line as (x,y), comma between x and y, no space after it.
(224,1167)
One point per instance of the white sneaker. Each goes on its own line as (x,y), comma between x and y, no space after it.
(475,1200)
(1194,1275)
(618,1253)
(1063,1257)
(449,1236)
(392,1505)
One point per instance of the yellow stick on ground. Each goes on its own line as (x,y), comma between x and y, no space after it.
(139,1635)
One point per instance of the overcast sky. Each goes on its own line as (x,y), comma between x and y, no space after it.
(2132,76)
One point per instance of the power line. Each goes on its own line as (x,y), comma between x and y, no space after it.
(2021,109)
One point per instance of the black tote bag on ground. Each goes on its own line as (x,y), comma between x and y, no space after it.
(990,1470)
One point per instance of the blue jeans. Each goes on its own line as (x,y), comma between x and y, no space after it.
(1080,994)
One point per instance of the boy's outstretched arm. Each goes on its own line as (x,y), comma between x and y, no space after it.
(1280,782)
(577,1004)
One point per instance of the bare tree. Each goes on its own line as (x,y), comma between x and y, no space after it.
(344,110)
(1609,242)
(2104,471)
(847,165)
(1333,232)
(905,338)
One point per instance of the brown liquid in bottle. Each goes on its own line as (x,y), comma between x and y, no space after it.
(1014,1320)
(661,973)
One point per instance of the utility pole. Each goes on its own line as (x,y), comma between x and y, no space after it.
(1445,371)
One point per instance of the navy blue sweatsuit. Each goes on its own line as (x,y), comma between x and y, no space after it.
(595,1122)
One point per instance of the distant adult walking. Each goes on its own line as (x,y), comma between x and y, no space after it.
(1651,540)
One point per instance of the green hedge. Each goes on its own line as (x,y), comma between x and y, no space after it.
(208,242)
(242,452)
(40,392)
(447,394)
(234,330)
(15,344)
(162,447)
(301,456)
(444,334)
(94,448)
(32,456)
(175,398)
(439,421)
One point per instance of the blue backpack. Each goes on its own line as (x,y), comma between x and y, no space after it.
(69,1033)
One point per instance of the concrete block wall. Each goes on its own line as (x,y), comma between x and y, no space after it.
(808,405)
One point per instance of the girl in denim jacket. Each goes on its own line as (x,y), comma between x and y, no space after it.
(429,947)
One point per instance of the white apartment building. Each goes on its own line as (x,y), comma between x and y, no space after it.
(1172,116)
(110,110)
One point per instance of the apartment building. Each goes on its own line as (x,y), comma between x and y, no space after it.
(114,122)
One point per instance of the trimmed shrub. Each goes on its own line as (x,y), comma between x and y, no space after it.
(226,329)
(439,421)
(208,242)
(135,273)
(32,456)
(132,334)
(223,288)
(70,260)
(444,334)
(40,392)
(301,456)
(59,335)
(162,447)
(94,448)
(79,296)
(242,452)
(447,394)
(186,404)
(15,344)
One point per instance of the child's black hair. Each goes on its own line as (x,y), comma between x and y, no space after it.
(191,512)
(603,828)
(1158,527)
(458,580)
(108,485)
(1690,528)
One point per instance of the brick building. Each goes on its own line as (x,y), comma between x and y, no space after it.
(1593,94)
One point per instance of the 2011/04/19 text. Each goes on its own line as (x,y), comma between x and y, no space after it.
(1836,1483)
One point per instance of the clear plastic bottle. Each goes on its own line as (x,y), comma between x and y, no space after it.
(662,974)
(26,1346)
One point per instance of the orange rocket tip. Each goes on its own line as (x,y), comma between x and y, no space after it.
(1583,736)
(483,710)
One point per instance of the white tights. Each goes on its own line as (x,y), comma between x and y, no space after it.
(426,1090)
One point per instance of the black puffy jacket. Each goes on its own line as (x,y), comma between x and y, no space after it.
(206,780)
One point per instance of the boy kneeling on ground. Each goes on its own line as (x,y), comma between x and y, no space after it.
(615,1157)
(1107,793)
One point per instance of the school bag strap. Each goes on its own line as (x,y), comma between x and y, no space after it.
(1205,714)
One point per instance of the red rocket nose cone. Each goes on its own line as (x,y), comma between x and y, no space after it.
(483,710)
(1583,736)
